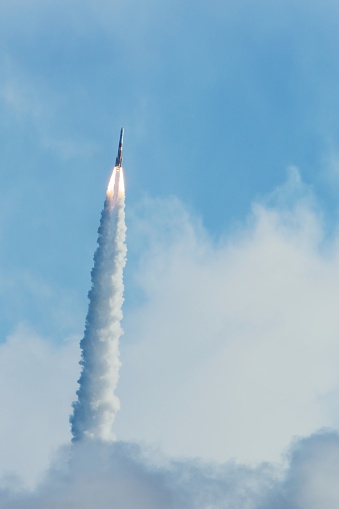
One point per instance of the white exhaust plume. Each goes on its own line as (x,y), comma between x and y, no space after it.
(97,404)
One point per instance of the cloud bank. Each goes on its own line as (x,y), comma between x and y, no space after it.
(240,334)
(127,476)
(230,351)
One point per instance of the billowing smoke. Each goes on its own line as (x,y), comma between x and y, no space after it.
(97,404)
(92,474)
(98,473)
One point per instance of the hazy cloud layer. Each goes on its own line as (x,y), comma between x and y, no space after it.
(127,476)
(37,382)
(236,348)
(230,351)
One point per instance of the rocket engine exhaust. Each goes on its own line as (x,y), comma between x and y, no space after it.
(95,409)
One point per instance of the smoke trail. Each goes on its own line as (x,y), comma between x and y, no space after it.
(95,409)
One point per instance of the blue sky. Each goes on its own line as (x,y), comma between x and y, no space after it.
(217,99)
(226,92)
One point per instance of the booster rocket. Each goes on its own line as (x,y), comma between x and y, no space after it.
(118,161)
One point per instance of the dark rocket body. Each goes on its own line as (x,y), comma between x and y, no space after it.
(118,161)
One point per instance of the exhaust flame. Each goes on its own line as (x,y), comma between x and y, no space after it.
(116,184)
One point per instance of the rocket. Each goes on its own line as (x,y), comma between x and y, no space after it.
(118,161)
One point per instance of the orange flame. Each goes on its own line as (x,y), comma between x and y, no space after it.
(116,185)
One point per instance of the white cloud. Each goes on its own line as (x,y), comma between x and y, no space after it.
(236,349)
(232,353)
(37,385)
(125,475)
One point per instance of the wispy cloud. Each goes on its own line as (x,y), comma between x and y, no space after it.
(241,335)
(37,384)
(231,352)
